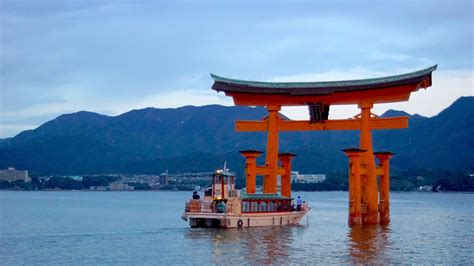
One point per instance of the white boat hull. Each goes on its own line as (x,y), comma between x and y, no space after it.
(229,220)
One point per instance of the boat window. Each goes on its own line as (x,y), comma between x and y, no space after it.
(256,206)
(271,206)
(245,206)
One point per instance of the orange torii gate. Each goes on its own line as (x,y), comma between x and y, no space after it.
(367,204)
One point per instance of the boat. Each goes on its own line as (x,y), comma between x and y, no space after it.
(224,206)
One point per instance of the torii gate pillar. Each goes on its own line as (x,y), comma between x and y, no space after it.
(370,213)
(354,185)
(271,161)
(384,188)
(285,160)
(251,169)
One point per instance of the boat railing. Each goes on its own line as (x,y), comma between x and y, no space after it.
(196,205)
(305,207)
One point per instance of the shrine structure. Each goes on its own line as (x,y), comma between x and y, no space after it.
(368,199)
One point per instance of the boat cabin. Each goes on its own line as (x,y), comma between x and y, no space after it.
(263,202)
(222,197)
(223,184)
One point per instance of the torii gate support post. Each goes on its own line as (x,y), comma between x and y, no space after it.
(251,169)
(354,185)
(285,160)
(370,214)
(384,201)
(271,160)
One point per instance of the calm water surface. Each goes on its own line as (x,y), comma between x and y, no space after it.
(146,228)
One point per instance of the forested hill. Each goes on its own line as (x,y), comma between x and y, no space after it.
(201,138)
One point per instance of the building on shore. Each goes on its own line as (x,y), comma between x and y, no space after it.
(98,188)
(76,178)
(11,174)
(296,177)
(164,179)
(425,188)
(119,186)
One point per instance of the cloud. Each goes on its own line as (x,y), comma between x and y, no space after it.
(10,130)
(448,86)
(107,56)
(16,121)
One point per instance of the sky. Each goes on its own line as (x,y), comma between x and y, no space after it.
(111,57)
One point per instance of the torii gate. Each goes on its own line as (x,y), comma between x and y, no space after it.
(366,203)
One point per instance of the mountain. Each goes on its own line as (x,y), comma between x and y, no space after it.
(444,141)
(201,138)
(150,132)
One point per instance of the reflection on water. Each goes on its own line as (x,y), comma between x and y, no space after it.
(369,243)
(261,245)
(276,245)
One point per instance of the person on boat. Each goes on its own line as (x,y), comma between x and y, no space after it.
(299,202)
(208,192)
(221,207)
(304,207)
(196,195)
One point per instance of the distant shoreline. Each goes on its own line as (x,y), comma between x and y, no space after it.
(168,191)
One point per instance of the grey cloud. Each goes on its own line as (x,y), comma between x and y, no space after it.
(54,51)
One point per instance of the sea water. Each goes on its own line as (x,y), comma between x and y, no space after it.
(146,228)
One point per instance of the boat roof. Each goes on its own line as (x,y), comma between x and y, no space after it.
(224,173)
(244,195)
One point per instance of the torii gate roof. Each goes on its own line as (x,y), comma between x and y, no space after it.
(375,90)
